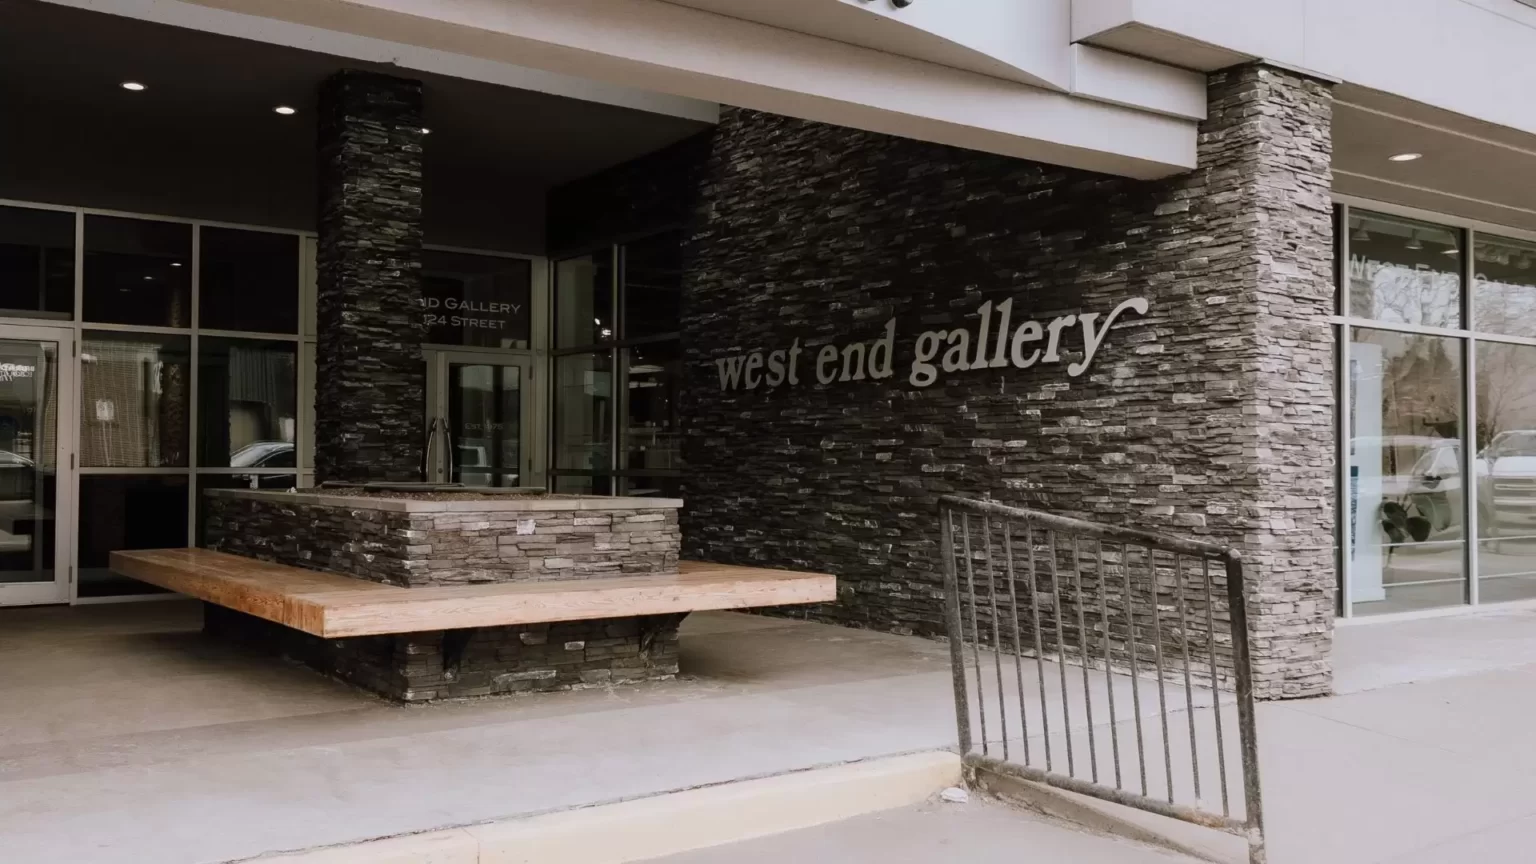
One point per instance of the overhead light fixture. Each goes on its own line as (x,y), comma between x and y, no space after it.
(132,85)
(1404,157)
(1361,235)
(1413,242)
(284,110)
(426,131)
(1525,262)
(175,263)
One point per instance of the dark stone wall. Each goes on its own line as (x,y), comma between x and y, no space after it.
(417,549)
(486,661)
(370,380)
(1210,416)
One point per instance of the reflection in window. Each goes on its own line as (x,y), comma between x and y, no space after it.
(249,280)
(37,261)
(1506,471)
(583,412)
(651,440)
(134,390)
(584,300)
(138,271)
(1405,481)
(653,286)
(1504,288)
(1402,271)
(485,404)
(248,414)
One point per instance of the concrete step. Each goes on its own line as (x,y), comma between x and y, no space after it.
(661,825)
(983,831)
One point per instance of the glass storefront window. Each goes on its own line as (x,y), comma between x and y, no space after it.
(248,280)
(138,271)
(1504,287)
(1405,489)
(477,300)
(37,261)
(1402,271)
(652,379)
(247,410)
(1506,471)
(653,286)
(139,511)
(584,301)
(584,412)
(134,400)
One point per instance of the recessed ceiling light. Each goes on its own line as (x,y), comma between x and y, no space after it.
(175,263)
(426,131)
(284,110)
(1405,157)
(132,85)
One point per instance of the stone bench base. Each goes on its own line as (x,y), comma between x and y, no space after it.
(483,661)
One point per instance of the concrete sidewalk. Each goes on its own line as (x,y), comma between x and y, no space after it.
(126,738)
(980,832)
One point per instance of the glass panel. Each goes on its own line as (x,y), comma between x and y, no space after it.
(235,481)
(248,280)
(1404,272)
(28,470)
(476,300)
(138,272)
(142,511)
(37,261)
(1506,472)
(583,485)
(485,404)
(583,412)
(134,390)
(653,286)
(664,486)
(1504,290)
(1405,483)
(651,440)
(247,410)
(584,300)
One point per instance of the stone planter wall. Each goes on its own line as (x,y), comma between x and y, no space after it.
(414,543)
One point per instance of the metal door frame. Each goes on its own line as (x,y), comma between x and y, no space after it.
(531,472)
(62,588)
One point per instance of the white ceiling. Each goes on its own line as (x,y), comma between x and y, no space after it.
(1471,169)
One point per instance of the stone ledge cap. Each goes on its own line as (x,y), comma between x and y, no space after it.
(540,504)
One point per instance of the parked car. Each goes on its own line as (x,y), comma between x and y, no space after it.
(268,454)
(1506,487)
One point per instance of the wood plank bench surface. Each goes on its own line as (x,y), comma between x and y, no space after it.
(333,606)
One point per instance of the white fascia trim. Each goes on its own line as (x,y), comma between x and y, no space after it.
(702,55)
(1132,82)
(206,18)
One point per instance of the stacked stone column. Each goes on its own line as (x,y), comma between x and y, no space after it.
(1211,416)
(370,381)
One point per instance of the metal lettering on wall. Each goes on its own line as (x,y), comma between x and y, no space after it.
(996,344)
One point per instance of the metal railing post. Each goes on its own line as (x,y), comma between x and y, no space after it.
(956,632)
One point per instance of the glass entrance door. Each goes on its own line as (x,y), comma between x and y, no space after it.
(35,463)
(480,420)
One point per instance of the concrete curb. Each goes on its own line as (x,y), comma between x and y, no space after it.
(665,824)
(1205,844)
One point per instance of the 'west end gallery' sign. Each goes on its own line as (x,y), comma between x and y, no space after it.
(935,351)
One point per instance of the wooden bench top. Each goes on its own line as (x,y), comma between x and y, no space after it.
(333,606)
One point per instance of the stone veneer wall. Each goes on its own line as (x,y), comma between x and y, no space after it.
(370,379)
(1210,417)
(487,661)
(445,548)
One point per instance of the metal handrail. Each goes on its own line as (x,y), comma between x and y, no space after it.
(974,601)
